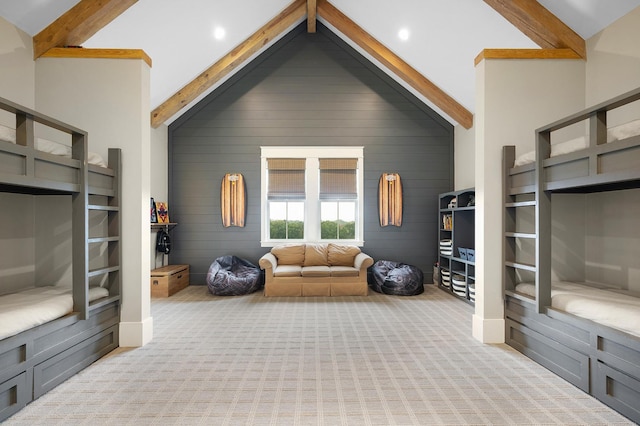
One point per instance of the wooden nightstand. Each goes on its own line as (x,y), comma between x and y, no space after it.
(168,280)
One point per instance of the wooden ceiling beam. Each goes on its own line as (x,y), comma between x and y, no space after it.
(526,54)
(74,52)
(288,17)
(78,24)
(540,25)
(395,64)
(311,16)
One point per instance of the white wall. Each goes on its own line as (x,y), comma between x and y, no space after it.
(53,227)
(568,237)
(159,183)
(613,60)
(513,98)
(612,235)
(17,244)
(464,150)
(109,98)
(613,239)
(17,66)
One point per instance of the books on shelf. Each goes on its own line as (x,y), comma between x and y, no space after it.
(447,222)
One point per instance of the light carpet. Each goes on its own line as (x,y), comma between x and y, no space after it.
(376,360)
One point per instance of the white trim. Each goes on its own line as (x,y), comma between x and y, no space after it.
(135,334)
(488,330)
(311,151)
(311,154)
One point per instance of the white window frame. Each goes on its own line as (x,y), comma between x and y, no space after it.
(312,154)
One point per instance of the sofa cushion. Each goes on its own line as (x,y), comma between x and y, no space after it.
(341,255)
(344,271)
(289,254)
(316,255)
(287,271)
(316,271)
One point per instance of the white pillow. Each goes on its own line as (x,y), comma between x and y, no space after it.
(95,158)
(556,149)
(623,131)
(526,158)
(51,147)
(7,134)
(569,146)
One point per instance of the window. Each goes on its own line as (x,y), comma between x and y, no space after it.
(312,194)
(285,197)
(338,198)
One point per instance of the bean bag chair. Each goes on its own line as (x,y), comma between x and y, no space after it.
(233,276)
(395,278)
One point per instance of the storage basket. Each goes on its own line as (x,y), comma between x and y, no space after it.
(471,255)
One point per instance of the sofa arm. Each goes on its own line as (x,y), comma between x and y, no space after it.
(268,261)
(362,262)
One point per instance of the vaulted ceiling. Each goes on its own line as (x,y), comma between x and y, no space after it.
(427,45)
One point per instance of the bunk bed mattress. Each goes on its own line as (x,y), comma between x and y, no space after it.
(620,132)
(8,134)
(613,309)
(30,308)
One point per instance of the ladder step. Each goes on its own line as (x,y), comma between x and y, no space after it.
(524,266)
(521,204)
(102,239)
(519,235)
(103,271)
(103,208)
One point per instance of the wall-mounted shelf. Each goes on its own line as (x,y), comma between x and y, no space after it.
(167,226)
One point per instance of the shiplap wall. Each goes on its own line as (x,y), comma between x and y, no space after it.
(307,90)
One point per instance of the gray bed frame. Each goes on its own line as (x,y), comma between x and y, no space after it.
(601,361)
(36,360)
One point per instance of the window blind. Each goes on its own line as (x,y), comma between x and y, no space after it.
(286,178)
(338,178)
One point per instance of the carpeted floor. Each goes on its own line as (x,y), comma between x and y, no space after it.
(376,360)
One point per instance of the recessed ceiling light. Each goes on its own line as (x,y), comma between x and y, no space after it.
(403,34)
(219,33)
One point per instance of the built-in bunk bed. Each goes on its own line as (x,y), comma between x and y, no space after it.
(585,332)
(50,332)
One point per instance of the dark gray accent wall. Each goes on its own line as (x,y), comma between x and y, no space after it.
(307,90)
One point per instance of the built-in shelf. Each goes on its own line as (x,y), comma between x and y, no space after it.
(457,223)
(458,259)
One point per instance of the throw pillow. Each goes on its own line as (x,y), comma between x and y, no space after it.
(289,254)
(316,255)
(342,255)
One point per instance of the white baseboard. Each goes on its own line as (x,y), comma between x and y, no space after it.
(488,330)
(136,334)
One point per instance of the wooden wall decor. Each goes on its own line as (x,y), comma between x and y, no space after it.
(390,199)
(233,194)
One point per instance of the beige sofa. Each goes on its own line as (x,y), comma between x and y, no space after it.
(315,270)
